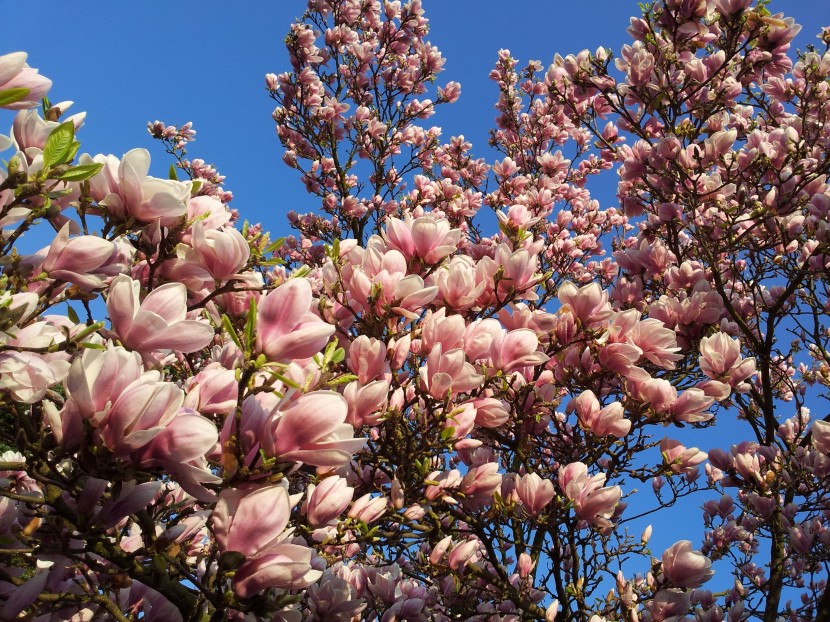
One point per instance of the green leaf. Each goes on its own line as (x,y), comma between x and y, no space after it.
(92,346)
(82,172)
(273,246)
(12,96)
(73,150)
(72,315)
(226,324)
(59,145)
(338,355)
(172,174)
(250,326)
(345,379)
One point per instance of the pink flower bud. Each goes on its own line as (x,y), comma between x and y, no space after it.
(328,500)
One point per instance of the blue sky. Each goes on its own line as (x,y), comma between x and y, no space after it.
(127,63)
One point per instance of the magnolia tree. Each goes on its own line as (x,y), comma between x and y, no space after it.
(398,414)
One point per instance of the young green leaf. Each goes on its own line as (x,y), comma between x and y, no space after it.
(12,96)
(81,172)
(72,315)
(59,145)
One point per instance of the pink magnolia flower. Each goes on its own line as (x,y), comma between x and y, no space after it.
(16,74)
(684,567)
(286,329)
(368,508)
(367,359)
(514,349)
(139,414)
(180,448)
(77,260)
(534,492)
(214,390)
(439,328)
(490,412)
(720,360)
(679,458)
(328,500)
(367,403)
(607,421)
(30,130)
(690,406)
(427,238)
(657,343)
(518,271)
(27,376)
(252,521)
(460,283)
(591,500)
(221,252)
(480,483)
(445,372)
(127,193)
(820,436)
(588,303)
(312,430)
(158,322)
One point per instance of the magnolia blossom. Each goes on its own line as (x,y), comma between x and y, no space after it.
(534,492)
(426,238)
(680,459)
(127,193)
(76,260)
(310,428)
(286,329)
(328,500)
(684,567)
(16,74)
(607,421)
(591,500)
(720,360)
(253,521)
(156,323)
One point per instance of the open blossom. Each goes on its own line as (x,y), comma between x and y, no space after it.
(720,360)
(589,304)
(689,406)
(156,323)
(448,371)
(679,458)
(30,130)
(534,492)
(515,349)
(253,521)
(127,193)
(309,429)
(427,238)
(606,421)
(222,253)
(16,74)
(684,567)
(76,260)
(286,329)
(592,501)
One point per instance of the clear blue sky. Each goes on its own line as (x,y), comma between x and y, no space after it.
(127,63)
